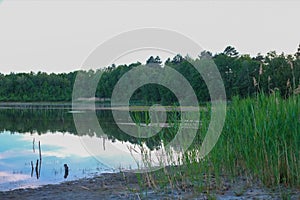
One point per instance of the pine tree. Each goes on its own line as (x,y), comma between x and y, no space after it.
(298,53)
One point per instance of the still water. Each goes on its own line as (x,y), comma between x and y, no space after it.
(21,131)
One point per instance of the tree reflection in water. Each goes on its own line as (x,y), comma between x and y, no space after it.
(43,121)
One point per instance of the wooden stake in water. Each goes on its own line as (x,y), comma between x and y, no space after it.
(32,168)
(33,141)
(36,169)
(40,152)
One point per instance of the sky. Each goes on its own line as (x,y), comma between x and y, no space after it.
(57,36)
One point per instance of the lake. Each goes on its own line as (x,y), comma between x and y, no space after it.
(86,154)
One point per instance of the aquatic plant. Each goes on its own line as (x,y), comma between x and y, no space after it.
(260,142)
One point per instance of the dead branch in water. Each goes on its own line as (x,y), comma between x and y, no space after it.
(40,152)
(36,169)
(32,168)
(33,142)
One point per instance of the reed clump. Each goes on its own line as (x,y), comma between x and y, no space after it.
(260,141)
(261,138)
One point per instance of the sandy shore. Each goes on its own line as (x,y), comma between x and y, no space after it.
(126,186)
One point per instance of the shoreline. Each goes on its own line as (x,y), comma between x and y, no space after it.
(90,106)
(126,185)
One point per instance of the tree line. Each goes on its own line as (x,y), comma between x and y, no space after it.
(242,76)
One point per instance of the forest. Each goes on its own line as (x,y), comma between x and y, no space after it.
(243,76)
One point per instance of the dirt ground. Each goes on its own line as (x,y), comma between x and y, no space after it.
(126,186)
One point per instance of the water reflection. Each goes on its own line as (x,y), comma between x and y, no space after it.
(42,146)
(21,167)
(45,121)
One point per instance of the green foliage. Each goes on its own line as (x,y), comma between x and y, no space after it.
(36,87)
(242,75)
(260,143)
(260,140)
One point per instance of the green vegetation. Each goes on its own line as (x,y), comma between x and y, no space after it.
(242,75)
(261,138)
(260,142)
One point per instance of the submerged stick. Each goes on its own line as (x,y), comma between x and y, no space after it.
(40,152)
(32,168)
(33,141)
(103,143)
(66,170)
(36,169)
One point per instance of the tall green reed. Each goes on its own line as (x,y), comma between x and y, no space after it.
(260,141)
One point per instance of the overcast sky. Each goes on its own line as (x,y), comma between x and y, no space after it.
(57,36)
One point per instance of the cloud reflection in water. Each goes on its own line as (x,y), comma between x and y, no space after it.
(16,154)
